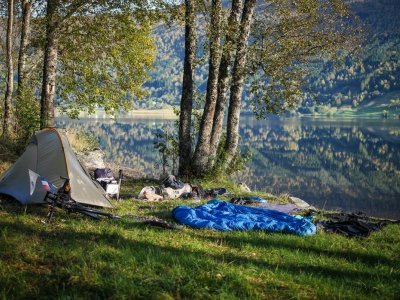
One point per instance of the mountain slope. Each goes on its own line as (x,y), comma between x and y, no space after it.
(373,76)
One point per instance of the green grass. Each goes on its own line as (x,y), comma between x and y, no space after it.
(75,257)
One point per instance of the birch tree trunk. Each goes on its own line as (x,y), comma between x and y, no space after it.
(7,122)
(49,67)
(238,76)
(185,141)
(200,160)
(25,33)
(223,79)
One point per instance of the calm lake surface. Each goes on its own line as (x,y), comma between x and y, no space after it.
(353,165)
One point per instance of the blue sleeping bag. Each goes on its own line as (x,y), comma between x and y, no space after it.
(221,215)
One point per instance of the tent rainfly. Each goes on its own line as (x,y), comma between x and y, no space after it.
(50,155)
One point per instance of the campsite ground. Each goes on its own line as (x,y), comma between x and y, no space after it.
(79,258)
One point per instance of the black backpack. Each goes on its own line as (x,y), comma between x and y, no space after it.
(103,173)
(103,176)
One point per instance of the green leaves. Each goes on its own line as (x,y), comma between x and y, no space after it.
(104,62)
(289,37)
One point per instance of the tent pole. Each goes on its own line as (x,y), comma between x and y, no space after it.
(119,183)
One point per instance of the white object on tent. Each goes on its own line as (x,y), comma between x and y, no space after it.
(50,155)
(33,177)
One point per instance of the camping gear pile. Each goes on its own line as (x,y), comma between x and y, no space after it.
(105,177)
(351,224)
(248,200)
(171,188)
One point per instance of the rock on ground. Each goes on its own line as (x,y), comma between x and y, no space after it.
(243,187)
(92,160)
(301,203)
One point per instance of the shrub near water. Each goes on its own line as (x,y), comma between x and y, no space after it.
(27,111)
(82,141)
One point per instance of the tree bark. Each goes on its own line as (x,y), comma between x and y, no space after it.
(7,122)
(185,118)
(49,67)
(200,159)
(25,32)
(223,80)
(238,76)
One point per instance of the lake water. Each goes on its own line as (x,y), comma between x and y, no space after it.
(352,165)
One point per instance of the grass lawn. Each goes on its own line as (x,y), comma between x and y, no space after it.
(75,257)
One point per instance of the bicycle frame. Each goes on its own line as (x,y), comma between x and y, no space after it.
(62,199)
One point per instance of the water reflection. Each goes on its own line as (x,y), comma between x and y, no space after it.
(353,165)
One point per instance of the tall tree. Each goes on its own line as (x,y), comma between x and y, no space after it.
(27,106)
(238,77)
(287,38)
(7,122)
(201,155)
(224,75)
(22,57)
(49,65)
(69,23)
(185,123)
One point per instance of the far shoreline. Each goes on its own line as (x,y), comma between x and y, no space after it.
(169,114)
(165,113)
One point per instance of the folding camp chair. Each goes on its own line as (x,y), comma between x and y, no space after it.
(110,184)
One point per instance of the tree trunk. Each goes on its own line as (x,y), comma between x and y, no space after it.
(185,119)
(25,32)
(200,159)
(49,67)
(223,80)
(7,122)
(238,76)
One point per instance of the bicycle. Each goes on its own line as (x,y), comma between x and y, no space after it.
(62,199)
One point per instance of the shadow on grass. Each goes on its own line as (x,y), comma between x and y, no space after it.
(14,208)
(117,240)
(57,259)
(371,260)
(232,241)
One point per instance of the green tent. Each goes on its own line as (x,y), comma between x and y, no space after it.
(50,155)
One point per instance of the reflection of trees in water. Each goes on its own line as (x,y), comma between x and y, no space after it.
(126,143)
(325,163)
(352,166)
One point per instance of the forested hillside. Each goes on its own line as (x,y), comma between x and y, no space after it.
(366,81)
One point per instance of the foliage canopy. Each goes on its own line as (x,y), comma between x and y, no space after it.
(104,62)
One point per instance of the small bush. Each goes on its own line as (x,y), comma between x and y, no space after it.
(238,163)
(27,113)
(82,141)
(8,154)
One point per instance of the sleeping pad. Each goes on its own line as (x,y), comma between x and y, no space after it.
(221,215)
